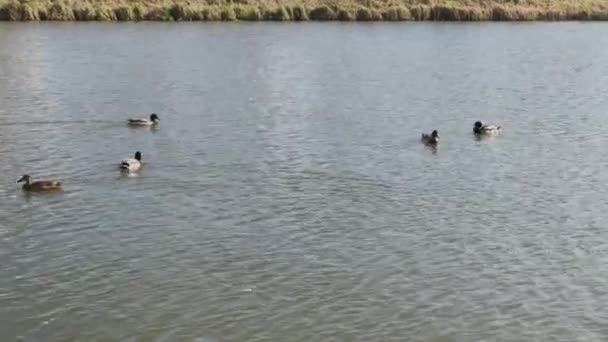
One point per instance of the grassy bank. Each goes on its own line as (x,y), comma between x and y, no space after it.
(301,10)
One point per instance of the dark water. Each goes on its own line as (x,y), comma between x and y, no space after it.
(286,195)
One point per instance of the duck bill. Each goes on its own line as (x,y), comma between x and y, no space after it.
(20,180)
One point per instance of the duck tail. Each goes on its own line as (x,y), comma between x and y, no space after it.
(124,165)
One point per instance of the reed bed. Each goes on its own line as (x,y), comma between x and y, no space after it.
(303,10)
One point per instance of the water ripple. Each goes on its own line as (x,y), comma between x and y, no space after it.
(286,196)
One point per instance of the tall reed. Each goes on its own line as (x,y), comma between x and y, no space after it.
(301,10)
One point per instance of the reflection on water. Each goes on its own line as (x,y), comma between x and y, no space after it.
(286,196)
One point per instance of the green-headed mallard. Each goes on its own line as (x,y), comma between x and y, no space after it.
(482,129)
(430,139)
(154,120)
(132,164)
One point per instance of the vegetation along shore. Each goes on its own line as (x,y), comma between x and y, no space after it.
(302,10)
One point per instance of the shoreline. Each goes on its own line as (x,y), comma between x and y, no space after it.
(328,10)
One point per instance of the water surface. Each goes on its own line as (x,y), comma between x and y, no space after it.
(286,196)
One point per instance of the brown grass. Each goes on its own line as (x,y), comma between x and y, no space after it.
(301,10)
(322,13)
(397,13)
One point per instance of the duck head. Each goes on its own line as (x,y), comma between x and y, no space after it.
(154,118)
(25,178)
(435,135)
(138,155)
(478,124)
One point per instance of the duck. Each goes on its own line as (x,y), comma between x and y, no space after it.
(131,164)
(430,139)
(481,129)
(152,121)
(39,185)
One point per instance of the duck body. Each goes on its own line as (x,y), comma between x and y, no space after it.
(39,186)
(152,121)
(131,164)
(430,139)
(481,129)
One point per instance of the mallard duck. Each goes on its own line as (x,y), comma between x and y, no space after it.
(482,129)
(39,185)
(154,120)
(132,164)
(430,139)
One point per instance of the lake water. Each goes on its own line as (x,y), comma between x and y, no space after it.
(286,196)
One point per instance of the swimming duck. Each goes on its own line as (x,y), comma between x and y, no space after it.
(39,185)
(132,164)
(154,120)
(430,139)
(482,129)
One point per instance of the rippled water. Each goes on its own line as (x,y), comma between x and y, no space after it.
(286,195)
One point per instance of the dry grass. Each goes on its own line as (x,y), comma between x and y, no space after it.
(301,10)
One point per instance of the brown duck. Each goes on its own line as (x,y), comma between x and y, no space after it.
(39,185)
